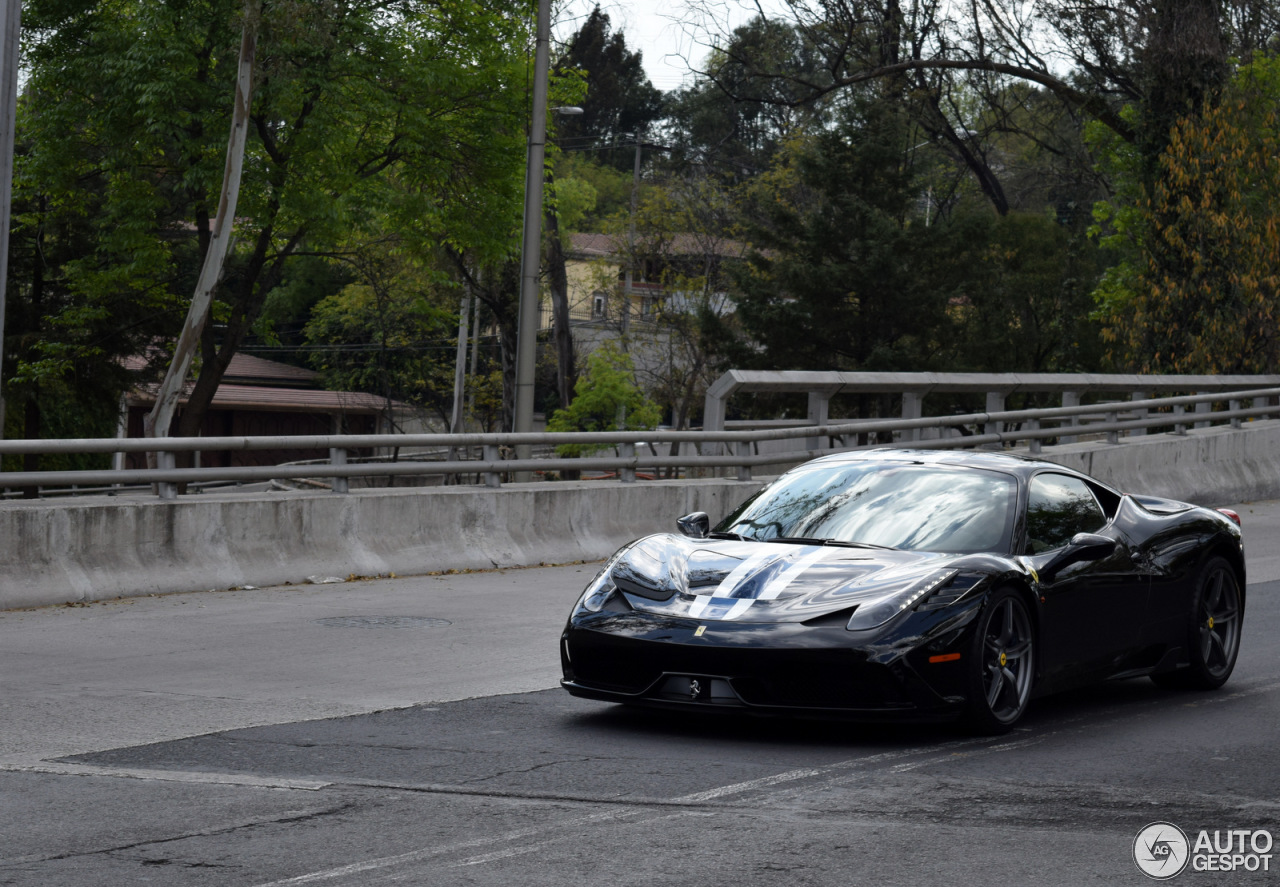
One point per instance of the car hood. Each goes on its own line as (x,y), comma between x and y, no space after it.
(747,581)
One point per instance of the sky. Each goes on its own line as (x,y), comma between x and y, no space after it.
(670,34)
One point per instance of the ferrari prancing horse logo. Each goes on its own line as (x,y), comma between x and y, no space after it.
(695,688)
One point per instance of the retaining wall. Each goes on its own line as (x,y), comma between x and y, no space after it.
(58,551)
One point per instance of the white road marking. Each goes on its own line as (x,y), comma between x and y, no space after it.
(835,774)
(187,776)
(425,853)
(530,848)
(751,785)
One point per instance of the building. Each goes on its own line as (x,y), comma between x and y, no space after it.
(260,397)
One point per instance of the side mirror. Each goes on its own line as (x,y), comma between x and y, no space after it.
(1083,547)
(695,526)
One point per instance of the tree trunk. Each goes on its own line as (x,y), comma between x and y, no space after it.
(156,423)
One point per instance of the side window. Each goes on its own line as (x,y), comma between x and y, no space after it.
(1058,507)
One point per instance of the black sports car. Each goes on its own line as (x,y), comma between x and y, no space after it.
(917,584)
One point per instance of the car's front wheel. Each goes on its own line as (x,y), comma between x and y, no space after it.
(1001,664)
(1213,635)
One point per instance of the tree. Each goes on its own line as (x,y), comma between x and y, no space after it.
(1200,291)
(619,100)
(389,333)
(841,277)
(731,120)
(408,112)
(1027,305)
(606,399)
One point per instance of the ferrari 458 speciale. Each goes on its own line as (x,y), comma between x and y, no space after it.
(918,584)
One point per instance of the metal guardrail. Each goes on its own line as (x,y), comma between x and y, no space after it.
(989,429)
(911,389)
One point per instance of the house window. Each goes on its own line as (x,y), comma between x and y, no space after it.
(599,304)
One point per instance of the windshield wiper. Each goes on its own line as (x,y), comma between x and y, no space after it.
(736,536)
(836,543)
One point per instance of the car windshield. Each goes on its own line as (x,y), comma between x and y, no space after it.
(890,504)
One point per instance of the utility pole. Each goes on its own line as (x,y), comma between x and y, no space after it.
(8,123)
(625,320)
(527,339)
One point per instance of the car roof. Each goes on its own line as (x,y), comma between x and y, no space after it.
(1010,463)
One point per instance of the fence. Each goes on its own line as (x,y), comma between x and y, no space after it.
(713,449)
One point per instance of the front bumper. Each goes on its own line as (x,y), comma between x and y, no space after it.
(788,668)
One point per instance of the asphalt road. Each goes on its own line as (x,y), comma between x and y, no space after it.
(401,732)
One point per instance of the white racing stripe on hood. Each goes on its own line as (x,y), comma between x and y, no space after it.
(790,573)
(735,578)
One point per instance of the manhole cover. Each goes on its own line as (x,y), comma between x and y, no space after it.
(382,622)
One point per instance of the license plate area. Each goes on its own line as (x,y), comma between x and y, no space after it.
(703,689)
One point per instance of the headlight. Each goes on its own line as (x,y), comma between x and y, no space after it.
(881,610)
(595,595)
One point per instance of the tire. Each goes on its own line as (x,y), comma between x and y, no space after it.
(1213,630)
(1001,664)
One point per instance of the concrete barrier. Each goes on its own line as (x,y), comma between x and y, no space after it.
(1207,466)
(59,551)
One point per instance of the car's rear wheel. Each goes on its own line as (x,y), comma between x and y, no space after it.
(1001,664)
(1213,636)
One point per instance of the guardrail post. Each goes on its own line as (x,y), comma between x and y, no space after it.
(166,489)
(492,478)
(1234,405)
(1113,436)
(1203,407)
(819,408)
(627,474)
(1035,444)
(995,404)
(912,408)
(1070,399)
(1178,412)
(338,458)
(1139,414)
(744,453)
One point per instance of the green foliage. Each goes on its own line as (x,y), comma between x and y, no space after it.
(367,117)
(755,97)
(842,278)
(606,398)
(1198,290)
(610,188)
(387,334)
(619,98)
(1027,302)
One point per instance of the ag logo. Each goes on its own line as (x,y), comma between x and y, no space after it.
(1161,850)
